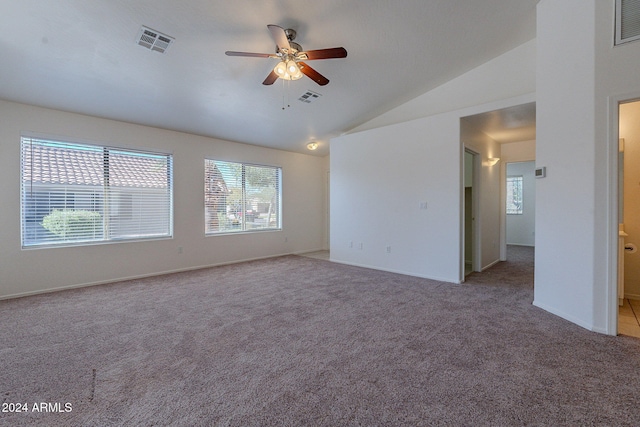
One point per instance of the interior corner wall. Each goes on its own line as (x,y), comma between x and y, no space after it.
(30,271)
(579,73)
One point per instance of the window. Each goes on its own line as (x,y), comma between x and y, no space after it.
(241,197)
(627,21)
(514,195)
(78,194)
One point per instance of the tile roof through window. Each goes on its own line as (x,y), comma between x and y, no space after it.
(58,165)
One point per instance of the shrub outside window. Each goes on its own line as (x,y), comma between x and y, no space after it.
(80,194)
(241,197)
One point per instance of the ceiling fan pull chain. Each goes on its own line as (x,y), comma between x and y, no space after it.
(283,94)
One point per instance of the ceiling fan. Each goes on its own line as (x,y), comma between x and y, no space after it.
(292,57)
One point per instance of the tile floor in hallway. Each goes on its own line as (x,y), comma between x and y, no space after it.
(629,318)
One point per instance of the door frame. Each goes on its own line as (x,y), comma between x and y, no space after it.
(475,203)
(613,211)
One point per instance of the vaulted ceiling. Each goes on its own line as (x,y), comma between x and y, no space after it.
(82,56)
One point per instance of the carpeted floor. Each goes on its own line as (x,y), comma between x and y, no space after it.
(295,341)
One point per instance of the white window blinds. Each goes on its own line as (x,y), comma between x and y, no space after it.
(241,197)
(78,194)
(627,21)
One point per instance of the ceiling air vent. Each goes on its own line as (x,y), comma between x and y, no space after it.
(627,20)
(154,40)
(309,96)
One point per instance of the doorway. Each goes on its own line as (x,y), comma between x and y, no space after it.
(471,192)
(628,283)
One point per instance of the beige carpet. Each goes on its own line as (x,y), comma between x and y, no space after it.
(295,341)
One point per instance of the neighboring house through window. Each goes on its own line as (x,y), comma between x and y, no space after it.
(241,197)
(80,194)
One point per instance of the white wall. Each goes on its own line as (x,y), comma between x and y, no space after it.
(36,270)
(378,180)
(521,151)
(381,173)
(521,227)
(580,75)
(379,177)
(564,144)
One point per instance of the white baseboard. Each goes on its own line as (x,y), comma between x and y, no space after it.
(438,279)
(135,277)
(490,265)
(568,317)
(631,296)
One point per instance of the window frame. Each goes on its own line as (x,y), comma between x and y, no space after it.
(113,150)
(243,229)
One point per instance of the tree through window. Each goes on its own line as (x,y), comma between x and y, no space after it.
(514,195)
(241,197)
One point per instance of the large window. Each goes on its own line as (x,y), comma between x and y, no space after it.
(514,195)
(241,197)
(78,194)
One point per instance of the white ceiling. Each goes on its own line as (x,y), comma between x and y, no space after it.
(81,56)
(511,124)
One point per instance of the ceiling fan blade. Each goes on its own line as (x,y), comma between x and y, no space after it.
(334,52)
(257,55)
(313,74)
(279,36)
(271,78)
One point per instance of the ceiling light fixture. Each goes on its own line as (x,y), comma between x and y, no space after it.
(288,70)
(312,146)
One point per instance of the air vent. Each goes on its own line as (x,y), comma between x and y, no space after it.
(309,96)
(154,40)
(627,21)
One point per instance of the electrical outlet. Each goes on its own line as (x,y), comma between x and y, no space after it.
(423,205)
(388,249)
(180,249)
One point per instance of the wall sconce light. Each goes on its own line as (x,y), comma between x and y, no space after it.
(493,160)
(312,146)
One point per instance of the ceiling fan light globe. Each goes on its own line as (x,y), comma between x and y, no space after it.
(292,67)
(281,69)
